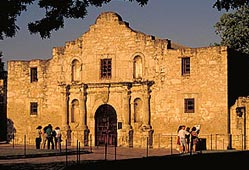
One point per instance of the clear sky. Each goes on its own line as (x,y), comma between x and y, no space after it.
(187,22)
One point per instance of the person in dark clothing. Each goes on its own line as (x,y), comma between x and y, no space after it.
(38,138)
(50,140)
(187,136)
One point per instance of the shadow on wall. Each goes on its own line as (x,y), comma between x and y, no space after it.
(10,130)
(238,76)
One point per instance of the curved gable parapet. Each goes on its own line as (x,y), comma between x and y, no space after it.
(107,20)
(109,29)
(105,17)
(110,18)
(112,21)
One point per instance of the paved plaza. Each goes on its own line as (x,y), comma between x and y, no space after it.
(18,157)
(23,155)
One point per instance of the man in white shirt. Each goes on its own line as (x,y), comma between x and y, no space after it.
(182,135)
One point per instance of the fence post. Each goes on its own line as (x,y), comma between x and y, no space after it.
(147,147)
(171,144)
(106,144)
(78,151)
(90,142)
(242,143)
(25,145)
(13,140)
(115,149)
(66,152)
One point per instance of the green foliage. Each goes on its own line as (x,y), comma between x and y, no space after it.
(55,13)
(230,4)
(233,28)
(9,11)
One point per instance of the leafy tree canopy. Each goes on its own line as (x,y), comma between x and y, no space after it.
(55,13)
(233,28)
(230,4)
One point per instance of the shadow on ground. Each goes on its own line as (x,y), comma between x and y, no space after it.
(200,161)
(215,160)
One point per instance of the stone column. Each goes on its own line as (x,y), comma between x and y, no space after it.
(65,105)
(82,108)
(65,113)
(146,109)
(127,109)
(132,114)
(84,115)
(126,130)
(84,97)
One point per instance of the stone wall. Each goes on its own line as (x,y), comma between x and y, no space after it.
(160,90)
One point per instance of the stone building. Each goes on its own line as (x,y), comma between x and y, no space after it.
(118,86)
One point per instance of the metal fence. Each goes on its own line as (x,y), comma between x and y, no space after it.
(206,141)
(167,141)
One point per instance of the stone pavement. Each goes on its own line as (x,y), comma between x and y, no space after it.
(21,157)
(19,154)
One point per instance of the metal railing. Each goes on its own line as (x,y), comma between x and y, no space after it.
(167,141)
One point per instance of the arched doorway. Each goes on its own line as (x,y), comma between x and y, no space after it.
(105,125)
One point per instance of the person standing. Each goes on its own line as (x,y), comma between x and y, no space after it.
(57,138)
(182,136)
(187,136)
(44,137)
(50,140)
(178,138)
(194,139)
(38,138)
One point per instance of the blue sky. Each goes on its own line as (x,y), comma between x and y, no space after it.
(187,22)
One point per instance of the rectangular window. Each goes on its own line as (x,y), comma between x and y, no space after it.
(106,68)
(186,66)
(189,105)
(33,76)
(33,108)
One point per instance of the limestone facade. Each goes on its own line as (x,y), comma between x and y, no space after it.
(117,85)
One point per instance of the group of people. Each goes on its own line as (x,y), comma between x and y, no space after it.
(187,139)
(48,136)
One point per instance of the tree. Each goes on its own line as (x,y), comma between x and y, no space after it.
(233,28)
(230,4)
(55,13)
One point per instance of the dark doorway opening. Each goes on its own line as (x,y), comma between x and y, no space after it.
(105,126)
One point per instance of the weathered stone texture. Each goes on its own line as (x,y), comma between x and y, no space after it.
(110,37)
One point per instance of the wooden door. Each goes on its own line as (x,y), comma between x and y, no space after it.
(105,126)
